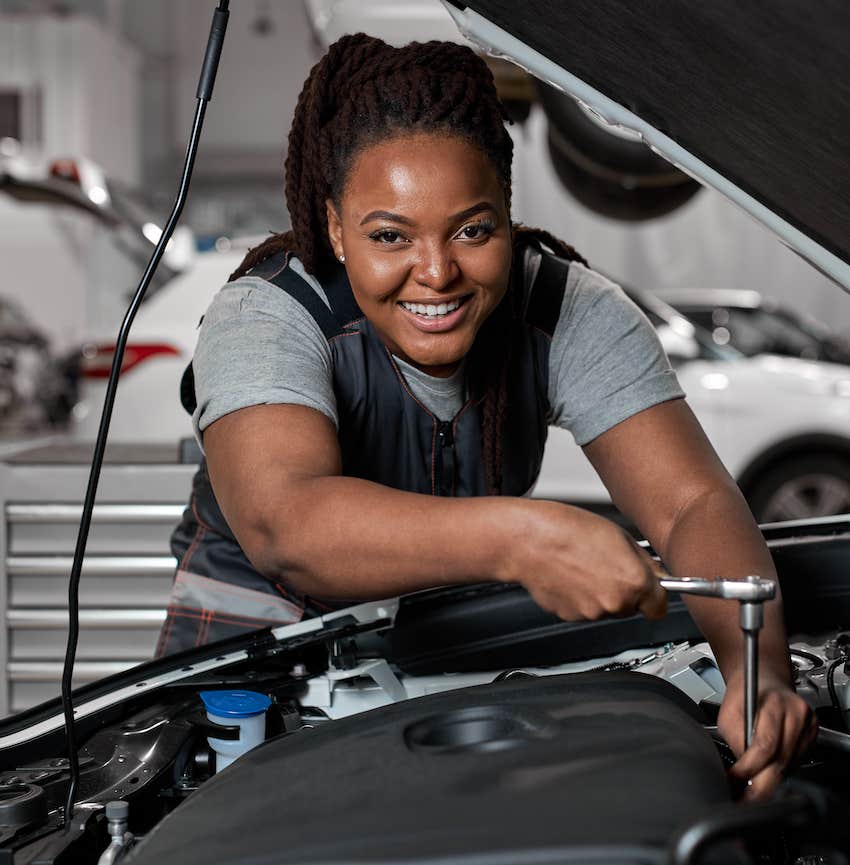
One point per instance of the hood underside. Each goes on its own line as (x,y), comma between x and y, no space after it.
(751,99)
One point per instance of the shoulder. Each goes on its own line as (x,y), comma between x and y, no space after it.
(597,315)
(589,293)
(252,297)
(558,292)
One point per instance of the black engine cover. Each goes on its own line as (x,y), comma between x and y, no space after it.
(523,768)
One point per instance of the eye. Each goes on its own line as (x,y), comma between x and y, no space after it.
(387,235)
(477,230)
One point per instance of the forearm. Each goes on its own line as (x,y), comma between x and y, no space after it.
(347,538)
(716,536)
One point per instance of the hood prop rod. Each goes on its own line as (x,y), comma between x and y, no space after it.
(204,94)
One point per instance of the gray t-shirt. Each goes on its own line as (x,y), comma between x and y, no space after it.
(257,345)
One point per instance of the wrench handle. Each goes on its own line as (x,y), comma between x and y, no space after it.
(751,677)
(751,620)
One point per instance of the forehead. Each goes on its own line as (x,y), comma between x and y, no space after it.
(421,171)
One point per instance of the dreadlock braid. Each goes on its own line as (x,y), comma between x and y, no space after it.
(364,91)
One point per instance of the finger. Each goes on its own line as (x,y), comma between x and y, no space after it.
(763,785)
(653,602)
(800,735)
(732,730)
(767,739)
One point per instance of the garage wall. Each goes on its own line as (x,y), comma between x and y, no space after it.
(259,78)
(268,52)
(88,79)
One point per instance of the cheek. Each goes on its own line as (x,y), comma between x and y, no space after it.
(488,266)
(377,278)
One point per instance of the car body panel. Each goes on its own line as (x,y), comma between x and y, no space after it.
(147,407)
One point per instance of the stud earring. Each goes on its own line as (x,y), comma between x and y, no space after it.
(342,259)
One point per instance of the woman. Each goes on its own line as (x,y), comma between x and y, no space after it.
(372,390)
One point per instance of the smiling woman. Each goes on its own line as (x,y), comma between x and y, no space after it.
(430,270)
(373,389)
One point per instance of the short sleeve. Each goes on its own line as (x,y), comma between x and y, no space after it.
(606,362)
(257,345)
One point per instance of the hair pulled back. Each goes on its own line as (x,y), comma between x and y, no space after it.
(362,92)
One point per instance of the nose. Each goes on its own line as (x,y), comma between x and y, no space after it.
(435,267)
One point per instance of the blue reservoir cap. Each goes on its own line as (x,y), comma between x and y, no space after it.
(235,704)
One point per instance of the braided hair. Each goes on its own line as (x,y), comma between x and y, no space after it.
(362,92)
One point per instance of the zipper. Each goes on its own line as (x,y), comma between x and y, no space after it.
(445,459)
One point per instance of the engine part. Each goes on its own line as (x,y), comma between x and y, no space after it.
(519,765)
(117,814)
(751,592)
(243,709)
(22,805)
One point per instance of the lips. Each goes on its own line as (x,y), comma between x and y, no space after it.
(431,309)
(435,318)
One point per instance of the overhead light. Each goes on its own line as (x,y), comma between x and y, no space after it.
(152,232)
(715,381)
(98,195)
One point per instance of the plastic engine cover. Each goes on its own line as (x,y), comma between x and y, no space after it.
(527,767)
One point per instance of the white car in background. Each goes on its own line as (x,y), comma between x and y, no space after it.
(781,425)
(73,244)
(755,324)
(162,342)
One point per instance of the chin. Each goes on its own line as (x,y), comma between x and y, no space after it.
(440,359)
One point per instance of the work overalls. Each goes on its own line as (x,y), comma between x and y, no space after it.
(386,435)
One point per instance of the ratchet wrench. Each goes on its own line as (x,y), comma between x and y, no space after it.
(751,592)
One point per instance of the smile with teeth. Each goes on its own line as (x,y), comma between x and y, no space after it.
(431,310)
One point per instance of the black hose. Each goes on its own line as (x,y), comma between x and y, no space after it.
(833,694)
(792,810)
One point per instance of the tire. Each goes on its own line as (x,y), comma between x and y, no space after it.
(615,176)
(802,488)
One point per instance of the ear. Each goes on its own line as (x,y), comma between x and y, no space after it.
(334,228)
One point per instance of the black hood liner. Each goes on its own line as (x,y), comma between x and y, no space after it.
(758,91)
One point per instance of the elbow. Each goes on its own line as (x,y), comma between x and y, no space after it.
(285,557)
(717,503)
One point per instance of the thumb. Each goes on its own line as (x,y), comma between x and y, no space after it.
(653,603)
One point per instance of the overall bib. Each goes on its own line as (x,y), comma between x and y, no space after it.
(386,435)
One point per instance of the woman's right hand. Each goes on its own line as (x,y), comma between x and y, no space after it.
(581,566)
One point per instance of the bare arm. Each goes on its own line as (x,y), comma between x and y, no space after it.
(663,474)
(275,472)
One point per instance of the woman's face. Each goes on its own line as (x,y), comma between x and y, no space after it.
(427,243)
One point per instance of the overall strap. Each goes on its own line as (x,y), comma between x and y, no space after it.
(547,292)
(332,322)
(276,271)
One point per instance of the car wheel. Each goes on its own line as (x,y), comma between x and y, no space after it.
(801,489)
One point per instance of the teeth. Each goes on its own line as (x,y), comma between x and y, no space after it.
(431,309)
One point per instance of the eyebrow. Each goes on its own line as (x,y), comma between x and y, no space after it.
(403,220)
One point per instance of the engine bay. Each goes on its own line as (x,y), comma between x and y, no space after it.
(459,724)
(158,754)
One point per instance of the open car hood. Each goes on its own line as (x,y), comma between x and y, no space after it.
(751,100)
